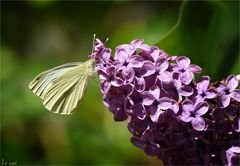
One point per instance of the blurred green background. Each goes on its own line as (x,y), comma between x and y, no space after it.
(38,35)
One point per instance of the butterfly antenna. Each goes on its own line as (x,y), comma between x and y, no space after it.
(93,43)
(106,40)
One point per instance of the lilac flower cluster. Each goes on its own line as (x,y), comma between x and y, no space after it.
(171,116)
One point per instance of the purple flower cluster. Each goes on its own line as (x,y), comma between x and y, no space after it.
(172,116)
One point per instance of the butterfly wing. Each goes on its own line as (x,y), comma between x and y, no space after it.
(63,87)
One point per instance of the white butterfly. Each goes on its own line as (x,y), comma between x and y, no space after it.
(63,87)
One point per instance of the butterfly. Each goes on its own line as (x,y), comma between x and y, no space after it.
(63,87)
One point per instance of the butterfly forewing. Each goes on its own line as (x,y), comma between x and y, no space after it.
(44,80)
(63,87)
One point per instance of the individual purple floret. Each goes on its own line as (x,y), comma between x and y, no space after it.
(146,142)
(186,69)
(203,90)
(171,115)
(193,113)
(108,78)
(227,91)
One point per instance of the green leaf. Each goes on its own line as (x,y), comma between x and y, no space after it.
(207,33)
